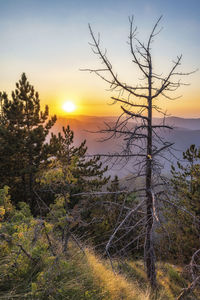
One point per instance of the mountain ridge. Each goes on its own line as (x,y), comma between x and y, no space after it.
(185,132)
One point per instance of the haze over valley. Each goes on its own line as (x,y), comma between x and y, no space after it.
(186,131)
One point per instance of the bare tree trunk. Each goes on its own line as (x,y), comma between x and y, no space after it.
(149,254)
(142,142)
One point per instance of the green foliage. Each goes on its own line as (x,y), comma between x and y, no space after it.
(106,215)
(182,220)
(70,176)
(87,172)
(37,260)
(23,130)
(6,208)
(33,265)
(175,276)
(65,279)
(105,212)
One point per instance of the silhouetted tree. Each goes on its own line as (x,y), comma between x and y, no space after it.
(23,130)
(142,139)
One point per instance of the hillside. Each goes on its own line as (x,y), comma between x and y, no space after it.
(84,275)
(49,252)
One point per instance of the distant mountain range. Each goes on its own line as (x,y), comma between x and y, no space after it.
(185,133)
(192,124)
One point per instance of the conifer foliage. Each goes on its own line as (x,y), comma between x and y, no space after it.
(23,130)
(87,171)
(182,219)
(71,178)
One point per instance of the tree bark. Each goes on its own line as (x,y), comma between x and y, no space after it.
(149,253)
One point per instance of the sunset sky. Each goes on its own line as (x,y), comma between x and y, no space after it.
(48,40)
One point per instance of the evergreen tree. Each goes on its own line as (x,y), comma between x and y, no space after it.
(104,216)
(129,239)
(182,220)
(108,213)
(71,178)
(88,172)
(23,130)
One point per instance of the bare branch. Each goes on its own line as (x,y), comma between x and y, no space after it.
(134,115)
(121,224)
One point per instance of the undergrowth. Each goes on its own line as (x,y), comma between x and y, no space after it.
(34,266)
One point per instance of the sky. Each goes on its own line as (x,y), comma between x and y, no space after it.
(49,41)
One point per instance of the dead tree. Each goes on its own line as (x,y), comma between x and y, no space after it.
(142,138)
(194,270)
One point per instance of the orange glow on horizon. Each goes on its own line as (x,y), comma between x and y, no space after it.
(187,107)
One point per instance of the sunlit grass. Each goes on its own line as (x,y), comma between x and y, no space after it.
(116,284)
(86,276)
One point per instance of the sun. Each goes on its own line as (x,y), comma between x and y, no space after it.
(69,106)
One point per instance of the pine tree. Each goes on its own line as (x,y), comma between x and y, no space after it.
(106,214)
(23,131)
(71,179)
(182,220)
(88,172)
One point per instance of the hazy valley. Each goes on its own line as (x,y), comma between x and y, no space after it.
(184,133)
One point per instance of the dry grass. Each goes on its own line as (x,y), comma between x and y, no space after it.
(117,286)
(88,277)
